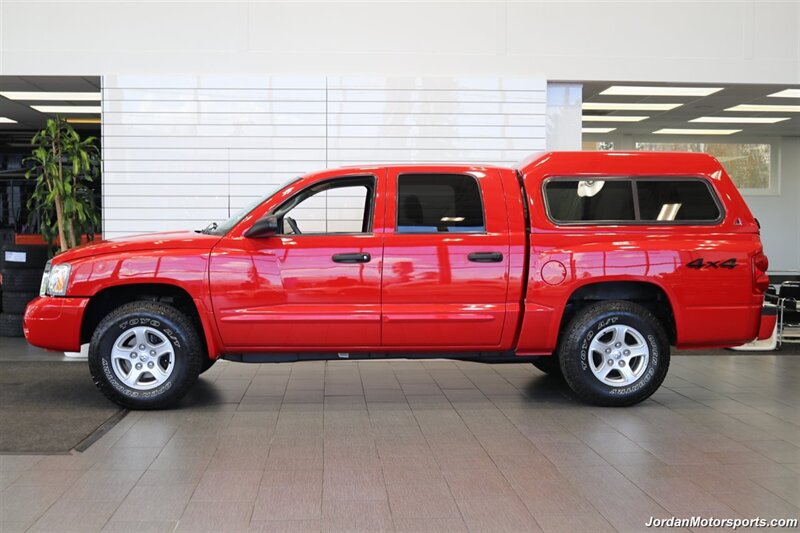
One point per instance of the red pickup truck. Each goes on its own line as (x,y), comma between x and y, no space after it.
(589,265)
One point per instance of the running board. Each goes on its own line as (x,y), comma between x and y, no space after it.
(285,357)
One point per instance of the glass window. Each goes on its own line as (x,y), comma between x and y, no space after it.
(430,203)
(572,200)
(679,200)
(599,146)
(748,164)
(338,206)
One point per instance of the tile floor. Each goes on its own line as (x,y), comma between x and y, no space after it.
(427,446)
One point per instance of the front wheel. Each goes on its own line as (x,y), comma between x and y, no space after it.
(145,355)
(614,353)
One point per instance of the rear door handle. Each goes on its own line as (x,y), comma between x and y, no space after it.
(485,257)
(359,257)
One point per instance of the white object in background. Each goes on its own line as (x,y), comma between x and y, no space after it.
(564,116)
(766,345)
(589,188)
(83,354)
(15,257)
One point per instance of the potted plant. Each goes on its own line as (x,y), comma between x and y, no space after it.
(64,166)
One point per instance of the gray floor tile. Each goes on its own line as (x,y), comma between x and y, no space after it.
(341,515)
(78,516)
(427,446)
(424,500)
(227,486)
(216,516)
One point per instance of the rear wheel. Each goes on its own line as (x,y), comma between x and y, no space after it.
(614,353)
(145,355)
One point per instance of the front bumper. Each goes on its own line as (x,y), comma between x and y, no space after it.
(54,323)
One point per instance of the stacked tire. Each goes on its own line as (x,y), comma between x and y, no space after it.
(21,267)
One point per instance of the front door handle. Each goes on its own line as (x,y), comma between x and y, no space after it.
(485,257)
(360,257)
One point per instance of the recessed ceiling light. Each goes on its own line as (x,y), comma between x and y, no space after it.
(597,130)
(631,90)
(45,95)
(80,109)
(643,106)
(740,120)
(786,93)
(758,108)
(685,131)
(6,120)
(613,118)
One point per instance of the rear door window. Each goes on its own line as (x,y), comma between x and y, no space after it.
(439,203)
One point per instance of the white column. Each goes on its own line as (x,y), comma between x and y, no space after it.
(564,102)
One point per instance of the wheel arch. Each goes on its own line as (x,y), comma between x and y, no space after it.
(646,293)
(110,298)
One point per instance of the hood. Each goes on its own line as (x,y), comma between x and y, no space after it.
(136,243)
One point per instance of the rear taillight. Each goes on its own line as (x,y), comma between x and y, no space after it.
(760,278)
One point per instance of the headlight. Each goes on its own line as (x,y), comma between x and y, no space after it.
(45,277)
(54,280)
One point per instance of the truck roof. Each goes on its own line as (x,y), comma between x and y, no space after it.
(582,162)
(618,163)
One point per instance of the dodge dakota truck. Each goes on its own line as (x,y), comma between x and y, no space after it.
(590,265)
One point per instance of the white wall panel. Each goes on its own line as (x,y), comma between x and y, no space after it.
(493,121)
(181,151)
(177,150)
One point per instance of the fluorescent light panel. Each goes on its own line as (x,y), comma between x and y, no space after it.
(740,120)
(759,108)
(6,120)
(597,130)
(613,118)
(786,93)
(643,106)
(46,95)
(79,109)
(90,120)
(638,90)
(686,131)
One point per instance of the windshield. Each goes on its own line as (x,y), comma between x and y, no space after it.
(225,227)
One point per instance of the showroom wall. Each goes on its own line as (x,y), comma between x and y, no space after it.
(181,151)
(779,213)
(714,41)
(745,41)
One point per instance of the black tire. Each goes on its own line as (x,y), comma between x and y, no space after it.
(549,365)
(23,256)
(15,302)
(207,364)
(169,322)
(22,280)
(10,325)
(574,353)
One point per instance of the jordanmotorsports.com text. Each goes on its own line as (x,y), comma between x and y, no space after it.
(731,523)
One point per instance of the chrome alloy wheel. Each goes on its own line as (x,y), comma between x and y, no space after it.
(618,355)
(142,358)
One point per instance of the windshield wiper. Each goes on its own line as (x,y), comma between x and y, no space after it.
(208,229)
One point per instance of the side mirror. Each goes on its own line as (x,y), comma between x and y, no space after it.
(265,226)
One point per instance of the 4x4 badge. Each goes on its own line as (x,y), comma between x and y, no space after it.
(700,264)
